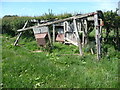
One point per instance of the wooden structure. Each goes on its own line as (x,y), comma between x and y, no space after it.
(59,28)
(73,27)
(41,34)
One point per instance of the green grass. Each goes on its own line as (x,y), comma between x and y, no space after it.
(21,68)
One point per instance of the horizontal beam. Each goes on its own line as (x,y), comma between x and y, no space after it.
(58,21)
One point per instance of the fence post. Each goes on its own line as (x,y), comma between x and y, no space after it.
(97,36)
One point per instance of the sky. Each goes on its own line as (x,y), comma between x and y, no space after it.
(39,7)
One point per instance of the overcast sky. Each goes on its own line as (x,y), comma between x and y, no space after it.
(39,7)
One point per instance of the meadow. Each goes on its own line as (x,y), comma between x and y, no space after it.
(22,67)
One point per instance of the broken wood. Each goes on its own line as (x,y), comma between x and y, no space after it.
(19,35)
(73,26)
(91,51)
(58,21)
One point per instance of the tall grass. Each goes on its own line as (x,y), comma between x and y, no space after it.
(23,68)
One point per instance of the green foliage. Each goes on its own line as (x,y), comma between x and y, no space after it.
(112,26)
(23,68)
(65,15)
(112,20)
(10,24)
(109,17)
(117,21)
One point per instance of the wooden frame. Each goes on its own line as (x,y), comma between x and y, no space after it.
(80,24)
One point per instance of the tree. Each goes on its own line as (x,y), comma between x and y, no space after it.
(112,23)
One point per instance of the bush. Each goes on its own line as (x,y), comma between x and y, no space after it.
(10,24)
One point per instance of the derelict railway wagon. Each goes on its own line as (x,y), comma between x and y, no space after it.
(68,30)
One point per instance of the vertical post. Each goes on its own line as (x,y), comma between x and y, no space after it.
(83,34)
(78,38)
(19,35)
(97,29)
(86,36)
(49,36)
(65,30)
(84,27)
(80,26)
(83,38)
(53,33)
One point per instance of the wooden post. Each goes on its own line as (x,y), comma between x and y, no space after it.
(53,33)
(101,34)
(86,36)
(78,38)
(97,29)
(65,30)
(84,28)
(82,32)
(19,35)
(49,37)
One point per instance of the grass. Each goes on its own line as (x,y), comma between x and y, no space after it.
(21,68)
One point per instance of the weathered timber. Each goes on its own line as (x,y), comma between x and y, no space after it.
(58,21)
(53,33)
(73,26)
(97,29)
(49,36)
(19,35)
(78,38)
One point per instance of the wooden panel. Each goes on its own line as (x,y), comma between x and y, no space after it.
(40,29)
(43,35)
(41,41)
(41,38)
(60,38)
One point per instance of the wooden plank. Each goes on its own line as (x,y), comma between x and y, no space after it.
(70,41)
(78,38)
(19,35)
(65,30)
(84,27)
(58,21)
(49,37)
(91,51)
(53,33)
(86,30)
(97,29)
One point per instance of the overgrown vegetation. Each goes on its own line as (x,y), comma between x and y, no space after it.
(112,24)
(10,24)
(22,67)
